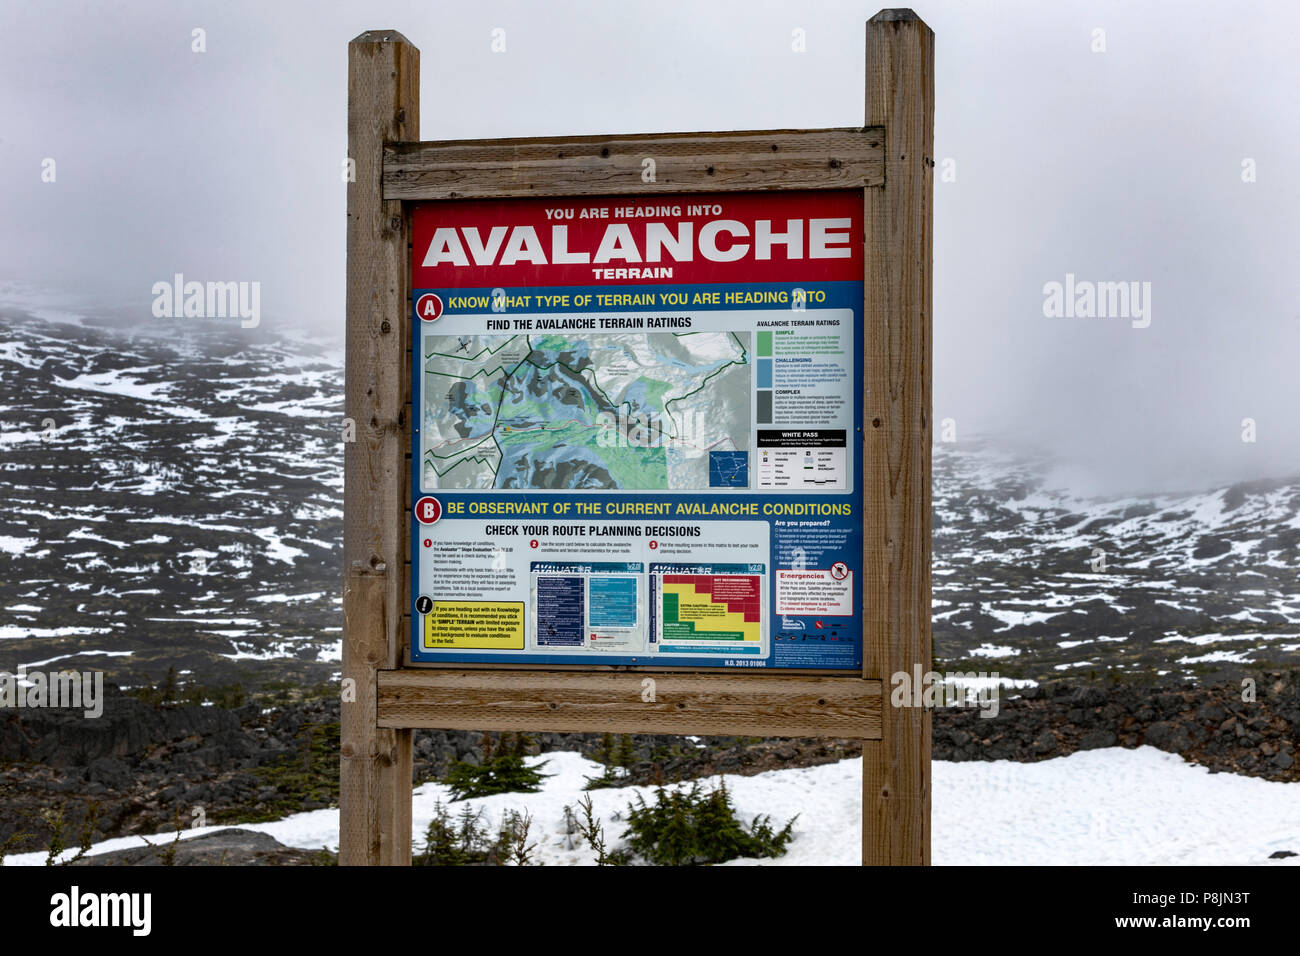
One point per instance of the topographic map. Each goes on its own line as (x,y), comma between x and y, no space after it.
(636,410)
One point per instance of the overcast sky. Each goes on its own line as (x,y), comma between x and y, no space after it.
(1122,165)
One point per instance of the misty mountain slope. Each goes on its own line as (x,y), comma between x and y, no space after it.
(1034,580)
(185,509)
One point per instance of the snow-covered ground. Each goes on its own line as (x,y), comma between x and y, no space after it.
(1113,806)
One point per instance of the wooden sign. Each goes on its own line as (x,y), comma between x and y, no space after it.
(614,427)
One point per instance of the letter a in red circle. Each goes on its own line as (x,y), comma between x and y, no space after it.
(428,307)
(428,510)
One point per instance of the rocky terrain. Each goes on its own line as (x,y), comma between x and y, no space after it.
(1033,582)
(170,514)
(171,496)
(145,768)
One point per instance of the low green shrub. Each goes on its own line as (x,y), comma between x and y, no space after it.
(500,771)
(687,827)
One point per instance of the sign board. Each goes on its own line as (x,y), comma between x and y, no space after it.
(630,402)
(637,436)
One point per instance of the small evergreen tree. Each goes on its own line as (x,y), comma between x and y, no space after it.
(512,844)
(465,841)
(441,846)
(594,834)
(169,687)
(501,771)
(616,758)
(626,751)
(685,827)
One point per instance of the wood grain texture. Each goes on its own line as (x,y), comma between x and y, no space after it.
(375,780)
(720,704)
(897,312)
(365,751)
(613,165)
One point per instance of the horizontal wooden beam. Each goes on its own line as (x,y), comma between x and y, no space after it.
(849,158)
(626,702)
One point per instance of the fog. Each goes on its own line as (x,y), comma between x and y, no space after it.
(1053,159)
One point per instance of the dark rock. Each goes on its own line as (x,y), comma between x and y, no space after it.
(110,772)
(1090,697)
(1210,546)
(1211,712)
(1168,736)
(1168,704)
(1195,733)
(1098,738)
(234,847)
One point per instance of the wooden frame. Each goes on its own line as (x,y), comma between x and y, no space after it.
(611,165)
(890,160)
(723,704)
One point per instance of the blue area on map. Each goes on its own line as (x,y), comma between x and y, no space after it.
(728,469)
(613,601)
(559,611)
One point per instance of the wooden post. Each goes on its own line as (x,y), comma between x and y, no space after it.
(375,764)
(897,313)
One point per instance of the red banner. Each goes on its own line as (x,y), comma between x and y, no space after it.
(717,237)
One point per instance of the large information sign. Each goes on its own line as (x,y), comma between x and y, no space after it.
(637,434)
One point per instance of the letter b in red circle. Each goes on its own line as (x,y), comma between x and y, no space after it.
(428,510)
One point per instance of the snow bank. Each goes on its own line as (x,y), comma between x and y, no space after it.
(1098,807)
